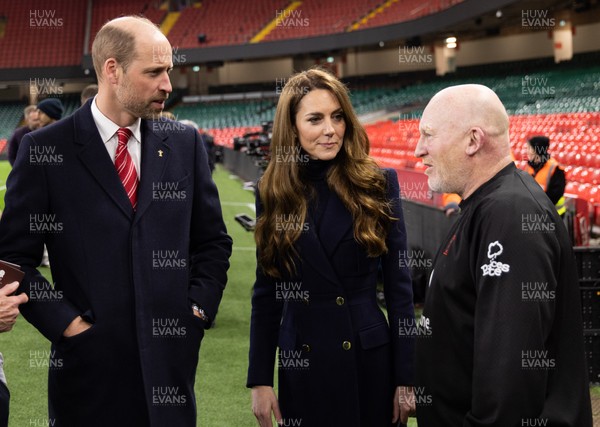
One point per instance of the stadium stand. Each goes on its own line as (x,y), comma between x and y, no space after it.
(314,17)
(56,36)
(105,10)
(227,114)
(564,107)
(59,31)
(11,114)
(542,98)
(393,11)
(243,20)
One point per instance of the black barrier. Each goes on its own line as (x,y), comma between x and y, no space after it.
(241,164)
(588,268)
(426,227)
(592,351)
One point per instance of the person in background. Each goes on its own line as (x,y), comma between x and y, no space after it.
(450,203)
(32,122)
(207,140)
(327,217)
(88,92)
(504,341)
(49,111)
(9,310)
(209,145)
(546,171)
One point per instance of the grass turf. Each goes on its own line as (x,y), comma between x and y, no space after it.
(223,400)
(4,170)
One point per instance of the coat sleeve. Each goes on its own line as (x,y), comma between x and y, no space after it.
(27,195)
(210,245)
(264,325)
(398,289)
(13,147)
(512,325)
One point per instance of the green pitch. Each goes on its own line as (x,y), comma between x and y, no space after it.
(4,170)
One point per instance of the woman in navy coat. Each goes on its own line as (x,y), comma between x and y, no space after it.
(328,218)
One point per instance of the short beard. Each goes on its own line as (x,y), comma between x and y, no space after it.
(134,106)
(442,187)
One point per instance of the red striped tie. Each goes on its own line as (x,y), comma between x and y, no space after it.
(125,166)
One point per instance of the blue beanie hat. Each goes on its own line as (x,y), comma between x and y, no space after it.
(52,107)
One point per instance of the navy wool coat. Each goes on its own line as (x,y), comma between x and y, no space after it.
(132,274)
(339,360)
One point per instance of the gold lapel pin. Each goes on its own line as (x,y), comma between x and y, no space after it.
(160,153)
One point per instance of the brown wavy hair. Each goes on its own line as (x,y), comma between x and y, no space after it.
(353,176)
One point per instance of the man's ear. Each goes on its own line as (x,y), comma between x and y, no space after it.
(112,71)
(475,143)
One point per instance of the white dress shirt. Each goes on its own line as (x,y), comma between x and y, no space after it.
(108,132)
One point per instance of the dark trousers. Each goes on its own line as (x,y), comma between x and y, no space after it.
(4,399)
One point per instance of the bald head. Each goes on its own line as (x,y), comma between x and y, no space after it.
(121,38)
(464,138)
(473,105)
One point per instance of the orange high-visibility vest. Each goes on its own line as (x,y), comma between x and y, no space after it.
(450,198)
(543,178)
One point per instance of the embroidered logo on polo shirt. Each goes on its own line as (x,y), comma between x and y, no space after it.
(494,268)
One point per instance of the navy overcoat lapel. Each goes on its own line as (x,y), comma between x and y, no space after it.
(156,154)
(95,158)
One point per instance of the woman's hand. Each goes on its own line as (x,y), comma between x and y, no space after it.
(264,402)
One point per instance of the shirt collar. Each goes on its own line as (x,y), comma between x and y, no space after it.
(107,128)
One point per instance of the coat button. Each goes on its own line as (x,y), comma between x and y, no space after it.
(340,300)
(306,348)
(305,301)
(346,345)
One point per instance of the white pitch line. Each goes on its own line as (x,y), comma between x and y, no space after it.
(3,187)
(242,248)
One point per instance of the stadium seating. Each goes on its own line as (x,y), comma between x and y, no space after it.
(54,35)
(244,19)
(227,114)
(224,136)
(105,10)
(10,116)
(542,92)
(393,11)
(315,17)
(575,143)
(41,36)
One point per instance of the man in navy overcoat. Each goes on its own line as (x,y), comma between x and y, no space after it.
(138,262)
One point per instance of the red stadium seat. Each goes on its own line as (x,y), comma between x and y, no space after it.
(571,188)
(595,176)
(593,194)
